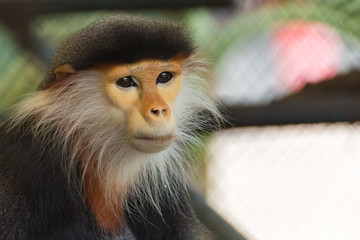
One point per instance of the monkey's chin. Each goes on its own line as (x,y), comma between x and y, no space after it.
(152,144)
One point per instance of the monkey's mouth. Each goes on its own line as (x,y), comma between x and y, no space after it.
(156,139)
(152,144)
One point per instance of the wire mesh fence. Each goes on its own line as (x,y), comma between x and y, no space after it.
(287,182)
(270,182)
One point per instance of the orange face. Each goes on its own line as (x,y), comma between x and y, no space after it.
(143,94)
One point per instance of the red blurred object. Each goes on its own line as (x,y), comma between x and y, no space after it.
(305,53)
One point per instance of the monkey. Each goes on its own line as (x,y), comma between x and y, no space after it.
(99,150)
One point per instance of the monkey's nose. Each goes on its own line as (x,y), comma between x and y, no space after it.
(158,113)
(155,110)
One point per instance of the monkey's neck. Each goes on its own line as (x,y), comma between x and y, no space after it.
(108,211)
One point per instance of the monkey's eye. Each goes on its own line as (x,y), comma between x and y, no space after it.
(164,77)
(126,82)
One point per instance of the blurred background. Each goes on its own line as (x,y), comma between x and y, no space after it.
(287,73)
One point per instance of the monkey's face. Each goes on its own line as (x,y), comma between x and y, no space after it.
(142,96)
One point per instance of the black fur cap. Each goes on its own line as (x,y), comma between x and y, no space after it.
(121,39)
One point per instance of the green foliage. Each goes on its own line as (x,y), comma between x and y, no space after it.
(342,14)
(19,74)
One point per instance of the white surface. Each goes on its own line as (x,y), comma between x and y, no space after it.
(291,182)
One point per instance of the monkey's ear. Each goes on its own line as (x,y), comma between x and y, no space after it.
(64,71)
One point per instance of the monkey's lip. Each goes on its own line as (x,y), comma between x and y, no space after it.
(160,139)
(152,144)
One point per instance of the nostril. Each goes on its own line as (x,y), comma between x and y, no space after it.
(157,112)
